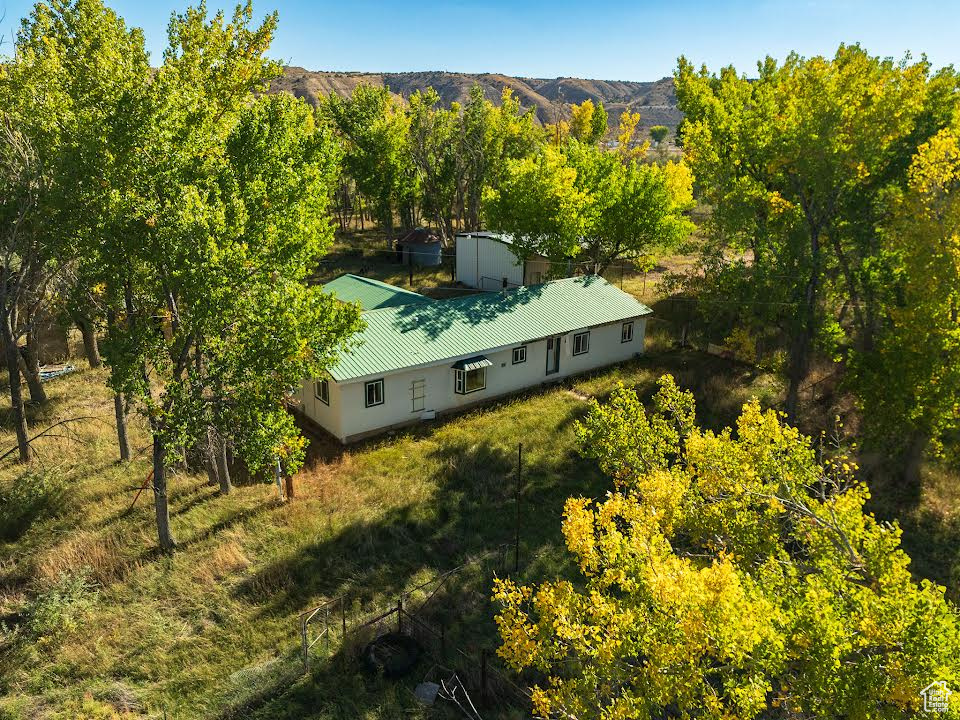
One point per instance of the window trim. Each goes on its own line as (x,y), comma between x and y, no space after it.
(325,384)
(514,355)
(419,384)
(460,381)
(576,338)
(626,329)
(366,392)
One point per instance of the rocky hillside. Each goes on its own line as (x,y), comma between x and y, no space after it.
(655,101)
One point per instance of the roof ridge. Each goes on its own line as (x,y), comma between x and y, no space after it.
(374,281)
(493,294)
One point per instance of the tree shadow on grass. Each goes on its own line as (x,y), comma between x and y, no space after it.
(933,544)
(472,511)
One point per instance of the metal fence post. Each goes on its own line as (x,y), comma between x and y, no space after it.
(516,550)
(304,644)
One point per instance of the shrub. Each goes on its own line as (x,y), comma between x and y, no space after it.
(56,611)
(31,495)
(87,709)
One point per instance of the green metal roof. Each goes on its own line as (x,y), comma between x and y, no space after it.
(400,337)
(372,294)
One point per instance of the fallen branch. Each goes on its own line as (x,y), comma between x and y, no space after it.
(45,432)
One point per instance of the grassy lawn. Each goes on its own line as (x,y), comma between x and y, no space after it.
(213,626)
(91,616)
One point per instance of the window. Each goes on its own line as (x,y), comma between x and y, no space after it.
(321,390)
(581,343)
(626,332)
(519,354)
(417,395)
(468,381)
(374,392)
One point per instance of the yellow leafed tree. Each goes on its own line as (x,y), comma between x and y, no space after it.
(730,575)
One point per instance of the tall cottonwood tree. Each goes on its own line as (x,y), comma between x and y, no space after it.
(909,382)
(23,256)
(437,161)
(66,90)
(215,320)
(374,131)
(794,165)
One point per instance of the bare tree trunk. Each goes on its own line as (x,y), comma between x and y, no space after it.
(119,404)
(31,370)
(913,460)
(223,467)
(31,359)
(120,412)
(160,504)
(91,347)
(12,355)
(802,343)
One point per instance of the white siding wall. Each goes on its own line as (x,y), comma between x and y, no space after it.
(347,417)
(467,260)
(327,416)
(483,263)
(497,262)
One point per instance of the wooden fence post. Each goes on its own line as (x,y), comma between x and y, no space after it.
(516,550)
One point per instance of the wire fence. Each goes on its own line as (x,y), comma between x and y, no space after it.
(449,616)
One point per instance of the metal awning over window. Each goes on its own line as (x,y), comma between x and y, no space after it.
(474,363)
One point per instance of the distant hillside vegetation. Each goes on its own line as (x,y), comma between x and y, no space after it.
(655,101)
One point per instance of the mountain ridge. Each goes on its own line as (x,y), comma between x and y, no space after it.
(656,100)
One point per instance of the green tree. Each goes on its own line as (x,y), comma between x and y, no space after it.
(67,91)
(726,575)
(588,122)
(490,136)
(209,274)
(539,204)
(435,146)
(794,165)
(632,208)
(612,209)
(375,133)
(27,260)
(909,382)
(658,133)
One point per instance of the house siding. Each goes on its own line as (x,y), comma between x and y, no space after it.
(348,419)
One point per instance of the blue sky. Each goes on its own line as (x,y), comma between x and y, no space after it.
(638,40)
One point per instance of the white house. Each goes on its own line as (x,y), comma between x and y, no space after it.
(420,359)
(485,261)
